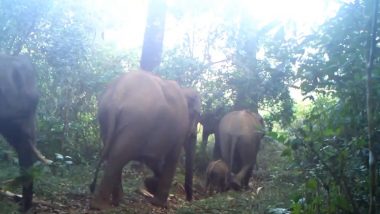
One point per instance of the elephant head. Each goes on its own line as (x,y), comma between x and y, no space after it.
(240,134)
(18,102)
(148,119)
(218,176)
(210,122)
(194,108)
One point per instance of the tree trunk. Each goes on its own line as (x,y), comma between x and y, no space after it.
(247,97)
(154,35)
(372,158)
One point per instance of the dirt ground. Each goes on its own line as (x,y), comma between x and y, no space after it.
(133,202)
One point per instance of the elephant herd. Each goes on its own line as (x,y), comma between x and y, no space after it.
(143,118)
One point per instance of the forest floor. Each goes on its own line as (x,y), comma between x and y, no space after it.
(133,202)
(64,190)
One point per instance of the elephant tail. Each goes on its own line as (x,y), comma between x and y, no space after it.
(108,132)
(234,184)
(189,157)
(234,141)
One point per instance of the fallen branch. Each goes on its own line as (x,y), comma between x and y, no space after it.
(14,197)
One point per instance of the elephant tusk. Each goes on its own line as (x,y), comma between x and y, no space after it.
(41,157)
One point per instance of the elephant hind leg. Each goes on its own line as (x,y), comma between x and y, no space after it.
(209,184)
(102,197)
(235,184)
(248,175)
(220,184)
(110,187)
(21,143)
(151,183)
(166,178)
(242,178)
(117,191)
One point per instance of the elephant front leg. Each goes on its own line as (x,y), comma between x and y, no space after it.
(26,161)
(205,136)
(165,180)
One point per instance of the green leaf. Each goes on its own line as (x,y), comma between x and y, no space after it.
(286,152)
(312,184)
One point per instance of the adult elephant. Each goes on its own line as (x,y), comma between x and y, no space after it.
(240,133)
(18,102)
(145,118)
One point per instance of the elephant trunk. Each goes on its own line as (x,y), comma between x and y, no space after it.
(189,153)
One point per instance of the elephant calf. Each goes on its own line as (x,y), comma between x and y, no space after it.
(218,177)
(240,134)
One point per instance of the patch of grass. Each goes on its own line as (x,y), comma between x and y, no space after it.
(7,207)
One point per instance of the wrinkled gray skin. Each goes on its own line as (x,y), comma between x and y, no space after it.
(145,118)
(240,134)
(218,177)
(18,102)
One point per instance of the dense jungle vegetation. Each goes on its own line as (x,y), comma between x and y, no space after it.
(310,86)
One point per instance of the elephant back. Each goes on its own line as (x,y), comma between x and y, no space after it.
(142,103)
(241,123)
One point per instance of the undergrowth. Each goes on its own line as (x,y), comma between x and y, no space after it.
(65,186)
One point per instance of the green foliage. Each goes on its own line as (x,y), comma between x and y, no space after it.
(228,71)
(7,207)
(327,141)
(321,150)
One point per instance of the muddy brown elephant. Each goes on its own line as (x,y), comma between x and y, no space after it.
(18,103)
(147,119)
(218,177)
(240,134)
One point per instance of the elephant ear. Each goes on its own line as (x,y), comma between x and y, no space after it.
(193,103)
(261,120)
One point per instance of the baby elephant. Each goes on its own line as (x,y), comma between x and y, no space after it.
(218,177)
